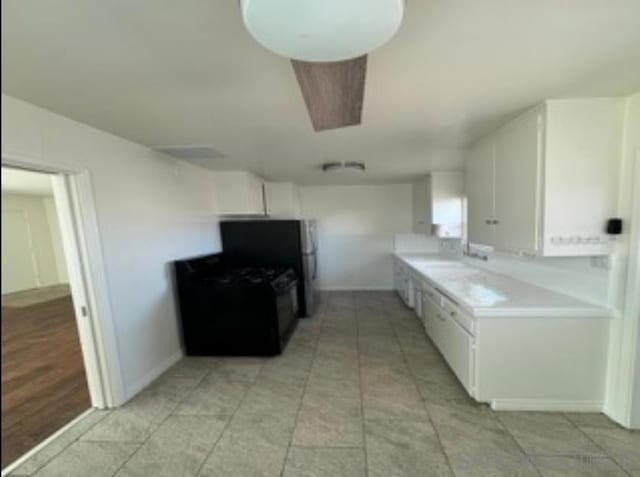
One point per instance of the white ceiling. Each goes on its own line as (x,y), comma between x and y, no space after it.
(18,181)
(187,73)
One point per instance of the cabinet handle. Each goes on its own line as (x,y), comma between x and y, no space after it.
(488,222)
(495,221)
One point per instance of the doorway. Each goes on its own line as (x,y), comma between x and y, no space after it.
(45,378)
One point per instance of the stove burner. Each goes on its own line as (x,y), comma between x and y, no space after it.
(252,276)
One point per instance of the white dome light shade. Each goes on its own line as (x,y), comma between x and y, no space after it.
(322,30)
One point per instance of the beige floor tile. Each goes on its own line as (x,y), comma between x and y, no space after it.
(325,462)
(548,434)
(399,448)
(621,445)
(474,439)
(329,422)
(364,353)
(580,466)
(82,459)
(38,460)
(241,455)
(178,448)
(221,396)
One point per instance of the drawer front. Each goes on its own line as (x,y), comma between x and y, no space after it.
(429,317)
(458,349)
(431,293)
(463,319)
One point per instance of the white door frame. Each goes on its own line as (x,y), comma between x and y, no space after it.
(632,298)
(73,196)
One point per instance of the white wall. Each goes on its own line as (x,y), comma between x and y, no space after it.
(356,226)
(42,241)
(623,396)
(151,209)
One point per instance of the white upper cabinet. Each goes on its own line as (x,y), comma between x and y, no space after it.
(517,164)
(422,206)
(546,182)
(239,193)
(282,199)
(437,200)
(479,179)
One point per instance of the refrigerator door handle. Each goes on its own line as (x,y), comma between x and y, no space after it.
(315,266)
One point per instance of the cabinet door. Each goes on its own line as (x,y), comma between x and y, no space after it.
(517,160)
(281,199)
(479,189)
(231,193)
(422,206)
(429,314)
(457,348)
(255,190)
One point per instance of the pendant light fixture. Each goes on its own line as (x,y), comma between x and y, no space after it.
(322,30)
(328,42)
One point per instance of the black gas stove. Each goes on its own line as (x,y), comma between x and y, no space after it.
(248,276)
(235,310)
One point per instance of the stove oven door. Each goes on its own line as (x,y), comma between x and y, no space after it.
(287,306)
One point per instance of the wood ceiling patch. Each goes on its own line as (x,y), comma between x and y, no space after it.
(332,91)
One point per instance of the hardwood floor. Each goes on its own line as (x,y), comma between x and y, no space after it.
(43,379)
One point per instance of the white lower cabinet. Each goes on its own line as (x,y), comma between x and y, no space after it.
(404,284)
(452,339)
(457,347)
(526,360)
(434,322)
(428,314)
(542,363)
(417,302)
(520,363)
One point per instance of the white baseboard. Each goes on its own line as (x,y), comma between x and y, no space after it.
(545,405)
(140,384)
(34,450)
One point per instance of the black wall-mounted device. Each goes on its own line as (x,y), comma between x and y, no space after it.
(614,226)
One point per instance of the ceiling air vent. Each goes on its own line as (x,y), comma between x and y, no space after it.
(336,166)
(191,153)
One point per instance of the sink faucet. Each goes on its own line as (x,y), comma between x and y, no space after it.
(468,253)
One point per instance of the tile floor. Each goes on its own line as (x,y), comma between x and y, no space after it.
(359,391)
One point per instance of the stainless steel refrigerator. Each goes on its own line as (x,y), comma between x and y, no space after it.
(285,243)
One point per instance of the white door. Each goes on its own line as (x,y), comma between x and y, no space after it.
(479,187)
(517,159)
(19,270)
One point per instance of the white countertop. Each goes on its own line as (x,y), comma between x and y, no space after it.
(487,294)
